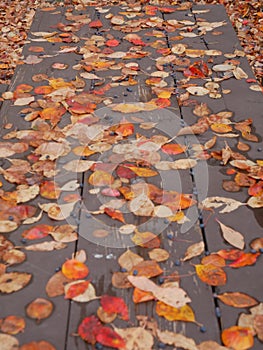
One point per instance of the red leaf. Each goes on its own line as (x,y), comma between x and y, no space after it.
(246,259)
(96,24)
(124,172)
(89,328)
(37,232)
(108,337)
(77,289)
(116,305)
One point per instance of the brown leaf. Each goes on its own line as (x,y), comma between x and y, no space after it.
(39,309)
(55,285)
(211,345)
(237,299)
(159,254)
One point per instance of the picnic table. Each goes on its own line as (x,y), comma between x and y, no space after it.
(136,129)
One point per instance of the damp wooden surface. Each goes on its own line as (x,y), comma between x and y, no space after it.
(60,329)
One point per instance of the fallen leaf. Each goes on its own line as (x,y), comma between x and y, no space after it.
(211,274)
(129,259)
(39,309)
(233,237)
(237,299)
(159,254)
(81,291)
(12,324)
(194,250)
(136,338)
(8,342)
(111,304)
(211,345)
(238,338)
(184,313)
(40,345)
(13,281)
(46,246)
(55,285)
(173,296)
(246,259)
(216,202)
(74,269)
(176,339)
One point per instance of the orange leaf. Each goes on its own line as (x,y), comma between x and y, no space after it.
(48,189)
(211,274)
(230,254)
(112,43)
(144,172)
(84,151)
(162,102)
(53,114)
(237,299)
(221,128)
(114,214)
(147,268)
(256,190)
(140,296)
(39,309)
(184,313)
(213,259)
(238,338)
(146,240)
(74,269)
(40,345)
(173,148)
(96,24)
(101,178)
(125,129)
(244,180)
(76,289)
(12,324)
(43,90)
(246,259)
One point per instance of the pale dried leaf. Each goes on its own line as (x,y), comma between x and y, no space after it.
(46,246)
(176,339)
(136,338)
(233,237)
(129,259)
(194,250)
(8,342)
(216,202)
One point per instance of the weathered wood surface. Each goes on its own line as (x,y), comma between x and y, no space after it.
(206,180)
